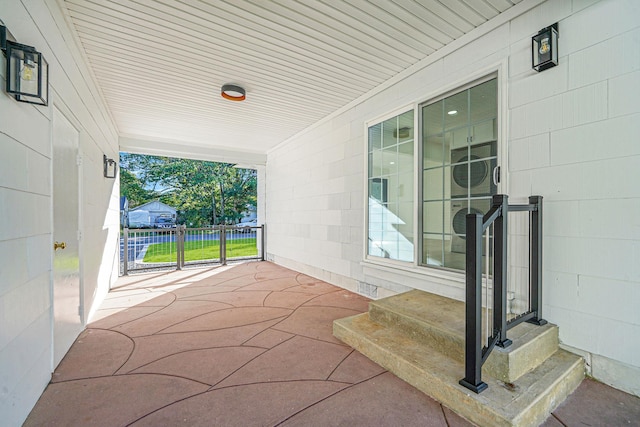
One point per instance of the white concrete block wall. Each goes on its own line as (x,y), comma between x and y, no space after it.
(572,136)
(26,204)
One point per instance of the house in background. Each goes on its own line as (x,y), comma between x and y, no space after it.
(159,213)
(249,214)
(355,189)
(124,211)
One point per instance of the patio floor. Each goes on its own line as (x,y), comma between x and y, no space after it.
(249,345)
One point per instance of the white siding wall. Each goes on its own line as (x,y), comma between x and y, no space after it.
(572,135)
(26,204)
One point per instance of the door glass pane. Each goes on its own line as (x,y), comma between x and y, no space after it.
(459,155)
(456,111)
(433,183)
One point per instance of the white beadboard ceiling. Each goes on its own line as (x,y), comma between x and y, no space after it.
(160,63)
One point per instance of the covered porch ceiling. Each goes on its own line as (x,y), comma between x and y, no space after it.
(160,64)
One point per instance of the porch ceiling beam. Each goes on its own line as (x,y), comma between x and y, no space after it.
(189,150)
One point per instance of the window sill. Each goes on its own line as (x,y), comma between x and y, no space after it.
(450,284)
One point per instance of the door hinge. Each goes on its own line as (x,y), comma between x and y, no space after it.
(79,235)
(79,160)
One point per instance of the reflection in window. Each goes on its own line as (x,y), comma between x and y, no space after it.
(390,189)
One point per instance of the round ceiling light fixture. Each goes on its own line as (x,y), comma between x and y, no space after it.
(232,92)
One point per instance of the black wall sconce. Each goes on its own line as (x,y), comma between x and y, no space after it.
(27,71)
(110,167)
(544,48)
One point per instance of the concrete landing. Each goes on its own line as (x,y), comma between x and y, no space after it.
(419,337)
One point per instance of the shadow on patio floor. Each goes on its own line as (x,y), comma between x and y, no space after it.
(248,345)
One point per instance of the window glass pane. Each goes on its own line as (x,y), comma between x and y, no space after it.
(375,137)
(405,127)
(376,164)
(378,190)
(405,210)
(390,132)
(405,157)
(390,188)
(390,160)
(405,188)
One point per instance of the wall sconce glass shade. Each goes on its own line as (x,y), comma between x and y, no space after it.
(110,167)
(544,48)
(27,74)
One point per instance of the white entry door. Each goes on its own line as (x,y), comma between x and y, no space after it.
(66,260)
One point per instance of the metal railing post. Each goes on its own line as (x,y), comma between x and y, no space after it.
(262,246)
(179,247)
(125,251)
(223,245)
(473,306)
(535,259)
(500,270)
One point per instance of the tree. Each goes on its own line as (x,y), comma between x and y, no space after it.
(131,187)
(204,193)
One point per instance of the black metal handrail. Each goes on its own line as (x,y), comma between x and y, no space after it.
(476,353)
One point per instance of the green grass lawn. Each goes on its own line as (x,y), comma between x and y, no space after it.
(201,250)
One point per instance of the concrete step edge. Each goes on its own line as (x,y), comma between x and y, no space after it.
(437,375)
(507,364)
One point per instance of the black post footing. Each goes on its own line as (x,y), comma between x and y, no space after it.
(538,322)
(482,386)
(505,343)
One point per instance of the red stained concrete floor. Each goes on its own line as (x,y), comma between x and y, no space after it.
(249,345)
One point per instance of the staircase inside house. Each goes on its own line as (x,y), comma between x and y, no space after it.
(420,337)
(491,367)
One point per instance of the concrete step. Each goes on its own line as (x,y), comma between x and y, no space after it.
(440,323)
(526,402)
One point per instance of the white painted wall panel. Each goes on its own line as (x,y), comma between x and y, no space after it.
(25,370)
(615,56)
(25,204)
(13,163)
(595,141)
(624,92)
(602,21)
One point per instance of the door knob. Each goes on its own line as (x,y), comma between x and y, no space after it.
(57,246)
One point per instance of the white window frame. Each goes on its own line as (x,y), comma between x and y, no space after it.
(412,274)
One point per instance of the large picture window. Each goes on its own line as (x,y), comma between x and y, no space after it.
(390,188)
(459,155)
